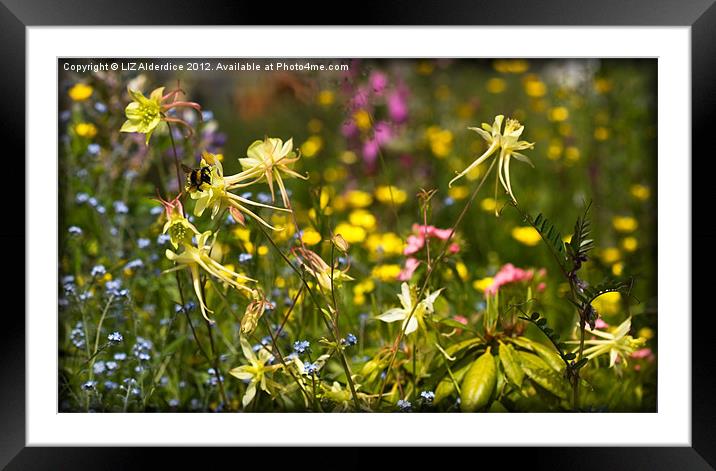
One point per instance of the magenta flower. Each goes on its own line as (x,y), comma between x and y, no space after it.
(378,82)
(398,105)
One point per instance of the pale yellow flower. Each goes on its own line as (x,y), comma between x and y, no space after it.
(269,159)
(255,371)
(407,301)
(216,195)
(507,141)
(195,257)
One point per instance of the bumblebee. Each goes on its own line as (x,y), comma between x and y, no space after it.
(197,177)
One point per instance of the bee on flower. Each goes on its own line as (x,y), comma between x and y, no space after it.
(145,114)
(507,141)
(211,190)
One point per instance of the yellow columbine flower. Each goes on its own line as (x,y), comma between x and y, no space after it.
(507,141)
(255,371)
(80,92)
(180,229)
(215,194)
(616,343)
(198,256)
(144,114)
(326,275)
(407,301)
(269,159)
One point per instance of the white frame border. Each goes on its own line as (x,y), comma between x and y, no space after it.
(671,425)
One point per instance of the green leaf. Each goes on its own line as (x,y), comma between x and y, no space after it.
(446,386)
(510,364)
(455,348)
(539,372)
(550,356)
(479,383)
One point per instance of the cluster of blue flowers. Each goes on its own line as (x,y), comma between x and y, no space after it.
(350,340)
(142,349)
(404,406)
(301,346)
(77,336)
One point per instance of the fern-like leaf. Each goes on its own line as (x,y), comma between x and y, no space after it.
(552,237)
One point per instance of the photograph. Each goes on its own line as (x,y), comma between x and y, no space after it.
(398,235)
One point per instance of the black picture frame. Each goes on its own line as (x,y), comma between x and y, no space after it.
(699,15)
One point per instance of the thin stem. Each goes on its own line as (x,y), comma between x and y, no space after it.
(176,158)
(438,259)
(344,361)
(283,362)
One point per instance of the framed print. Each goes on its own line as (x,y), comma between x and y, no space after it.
(478,235)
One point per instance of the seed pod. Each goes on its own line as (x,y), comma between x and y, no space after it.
(479,383)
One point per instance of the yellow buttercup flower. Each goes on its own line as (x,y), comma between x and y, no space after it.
(483,283)
(80,92)
(387,272)
(352,234)
(311,237)
(88,130)
(362,218)
(610,255)
(383,194)
(507,141)
(359,199)
(526,235)
(640,192)
(625,223)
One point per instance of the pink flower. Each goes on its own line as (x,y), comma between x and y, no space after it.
(398,106)
(508,274)
(411,264)
(378,81)
(417,240)
(462,320)
(382,133)
(415,243)
(349,128)
(541,287)
(643,353)
(370,152)
(600,324)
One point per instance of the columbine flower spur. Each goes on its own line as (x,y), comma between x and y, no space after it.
(508,143)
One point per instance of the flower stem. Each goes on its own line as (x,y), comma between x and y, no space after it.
(438,259)
(342,357)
